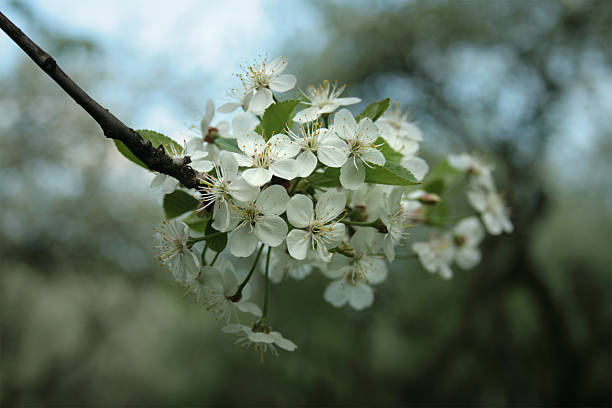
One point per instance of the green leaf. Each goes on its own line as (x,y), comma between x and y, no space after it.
(197,223)
(227,144)
(435,186)
(127,153)
(442,176)
(391,173)
(218,242)
(374,110)
(155,138)
(387,151)
(178,203)
(328,178)
(276,117)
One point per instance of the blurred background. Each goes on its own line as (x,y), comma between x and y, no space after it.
(88,317)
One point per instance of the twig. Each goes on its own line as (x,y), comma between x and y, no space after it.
(155,158)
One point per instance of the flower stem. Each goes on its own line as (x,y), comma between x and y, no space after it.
(215,258)
(238,293)
(294,187)
(265,307)
(204,254)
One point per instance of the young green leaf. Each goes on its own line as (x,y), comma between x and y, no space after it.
(155,138)
(374,110)
(197,223)
(218,242)
(227,144)
(387,151)
(178,203)
(328,178)
(391,173)
(442,176)
(276,117)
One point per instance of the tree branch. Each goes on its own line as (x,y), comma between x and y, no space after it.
(155,158)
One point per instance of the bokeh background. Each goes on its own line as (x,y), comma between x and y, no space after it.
(88,317)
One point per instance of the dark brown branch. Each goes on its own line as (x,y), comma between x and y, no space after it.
(155,158)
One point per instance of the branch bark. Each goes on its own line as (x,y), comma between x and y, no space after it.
(155,158)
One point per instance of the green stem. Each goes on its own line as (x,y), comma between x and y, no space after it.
(238,293)
(343,252)
(406,256)
(265,307)
(294,186)
(215,258)
(326,120)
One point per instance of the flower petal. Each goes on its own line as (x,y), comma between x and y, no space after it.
(207,118)
(273,200)
(305,163)
(307,115)
(284,168)
(361,296)
(352,174)
(330,205)
(367,131)
(241,190)
(243,122)
(336,293)
(298,242)
(272,230)
(257,176)
(344,124)
(251,143)
(280,147)
(260,101)
(333,151)
(276,66)
(299,211)
(373,156)
(417,166)
(242,242)
(282,83)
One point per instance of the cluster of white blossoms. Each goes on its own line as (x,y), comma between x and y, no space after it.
(304,185)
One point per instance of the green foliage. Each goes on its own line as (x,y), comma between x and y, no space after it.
(178,203)
(328,178)
(219,241)
(197,222)
(374,110)
(440,178)
(391,173)
(227,144)
(437,214)
(276,117)
(155,138)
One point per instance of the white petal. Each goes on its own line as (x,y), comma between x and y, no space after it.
(273,200)
(333,152)
(284,168)
(243,122)
(228,107)
(241,190)
(228,164)
(492,223)
(417,166)
(257,176)
(468,257)
(330,205)
(260,101)
(389,249)
(158,180)
(251,143)
(471,229)
(242,242)
(361,296)
(169,185)
(285,344)
(367,131)
(307,115)
(280,147)
(272,230)
(336,294)
(350,177)
(305,163)
(221,216)
(298,242)
(276,66)
(477,199)
(282,83)
(208,116)
(344,124)
(373,156)
(347,101)
(248,307)
(335,235)
(299,211)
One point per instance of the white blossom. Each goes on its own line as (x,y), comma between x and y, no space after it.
(216,287)
(416,165)
(218,190)
(402,135)
(206,130)
(267,159)
(199,162)
(258,221)
(360,139)
(322,99)
(282,265)
(436,254)
(320,232)
(330,150)
(468,234)
(396,219)
(175,251)
(481,173)
(353,275)
(258,82)
(261,341)
(492,209)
